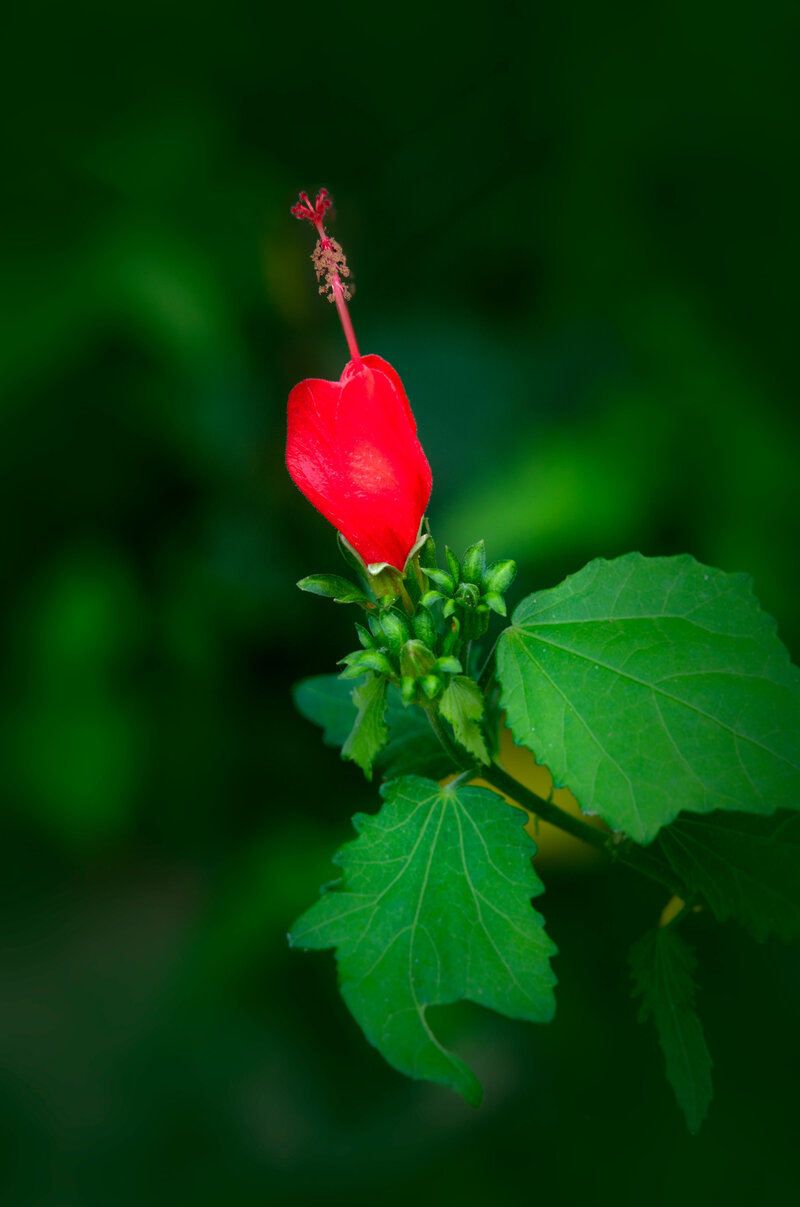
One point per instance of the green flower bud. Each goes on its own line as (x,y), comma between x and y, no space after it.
(396,630)
(424,628)
(408,689)
(416,660)
(468,595)
(499,577)
(474,623)
(473,563)
(451,637)
(448,665)
(430,598)
(431,685)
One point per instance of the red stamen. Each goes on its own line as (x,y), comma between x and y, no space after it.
(329,262)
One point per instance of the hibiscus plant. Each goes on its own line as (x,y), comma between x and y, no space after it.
(654,688)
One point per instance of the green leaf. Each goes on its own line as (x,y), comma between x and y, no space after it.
(746,867)
(327,700)
(334,587)
(370,731)
(662,967)
(434,908)
(412,749)
(461,704)
(651,685)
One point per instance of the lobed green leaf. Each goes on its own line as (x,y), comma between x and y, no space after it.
(370,731)
(662,966)
(434,908)
(745,866)
(412,748)
(461,704)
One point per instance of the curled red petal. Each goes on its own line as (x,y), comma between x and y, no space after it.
(353,451)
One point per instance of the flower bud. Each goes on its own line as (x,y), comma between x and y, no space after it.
(408,689)
(424,628)
(431,686)
(468,595)
(416,660)
(448,665)
(396,630)
(451,637)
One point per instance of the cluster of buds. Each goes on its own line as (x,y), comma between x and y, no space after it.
(409,638)
(471,590)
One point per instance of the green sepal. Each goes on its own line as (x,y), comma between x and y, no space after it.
(473,563)
(461,704)
(370,731)
(448,665)
(334,587)
(374,622)
(499,577)
(427,553)
(449,608)
(365,637)
(453,565)
(496,603)
(443,580)
(365,660)
(430,598)
(354,560)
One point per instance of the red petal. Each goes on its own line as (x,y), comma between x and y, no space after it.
(353,451)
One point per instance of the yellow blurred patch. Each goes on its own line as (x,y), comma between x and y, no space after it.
(555,848)
(670,911)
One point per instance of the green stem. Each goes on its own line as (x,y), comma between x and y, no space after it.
(462,760)
(623,851)
(487,670)
(546,810)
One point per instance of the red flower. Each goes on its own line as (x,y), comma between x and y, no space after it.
(352,446)
(353,451)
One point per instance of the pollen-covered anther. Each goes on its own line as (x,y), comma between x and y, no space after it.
(330,265)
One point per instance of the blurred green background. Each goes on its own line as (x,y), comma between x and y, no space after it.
(573,232)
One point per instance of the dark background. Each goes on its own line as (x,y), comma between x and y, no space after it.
(573,232)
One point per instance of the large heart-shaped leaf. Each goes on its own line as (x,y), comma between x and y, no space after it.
(652,685)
